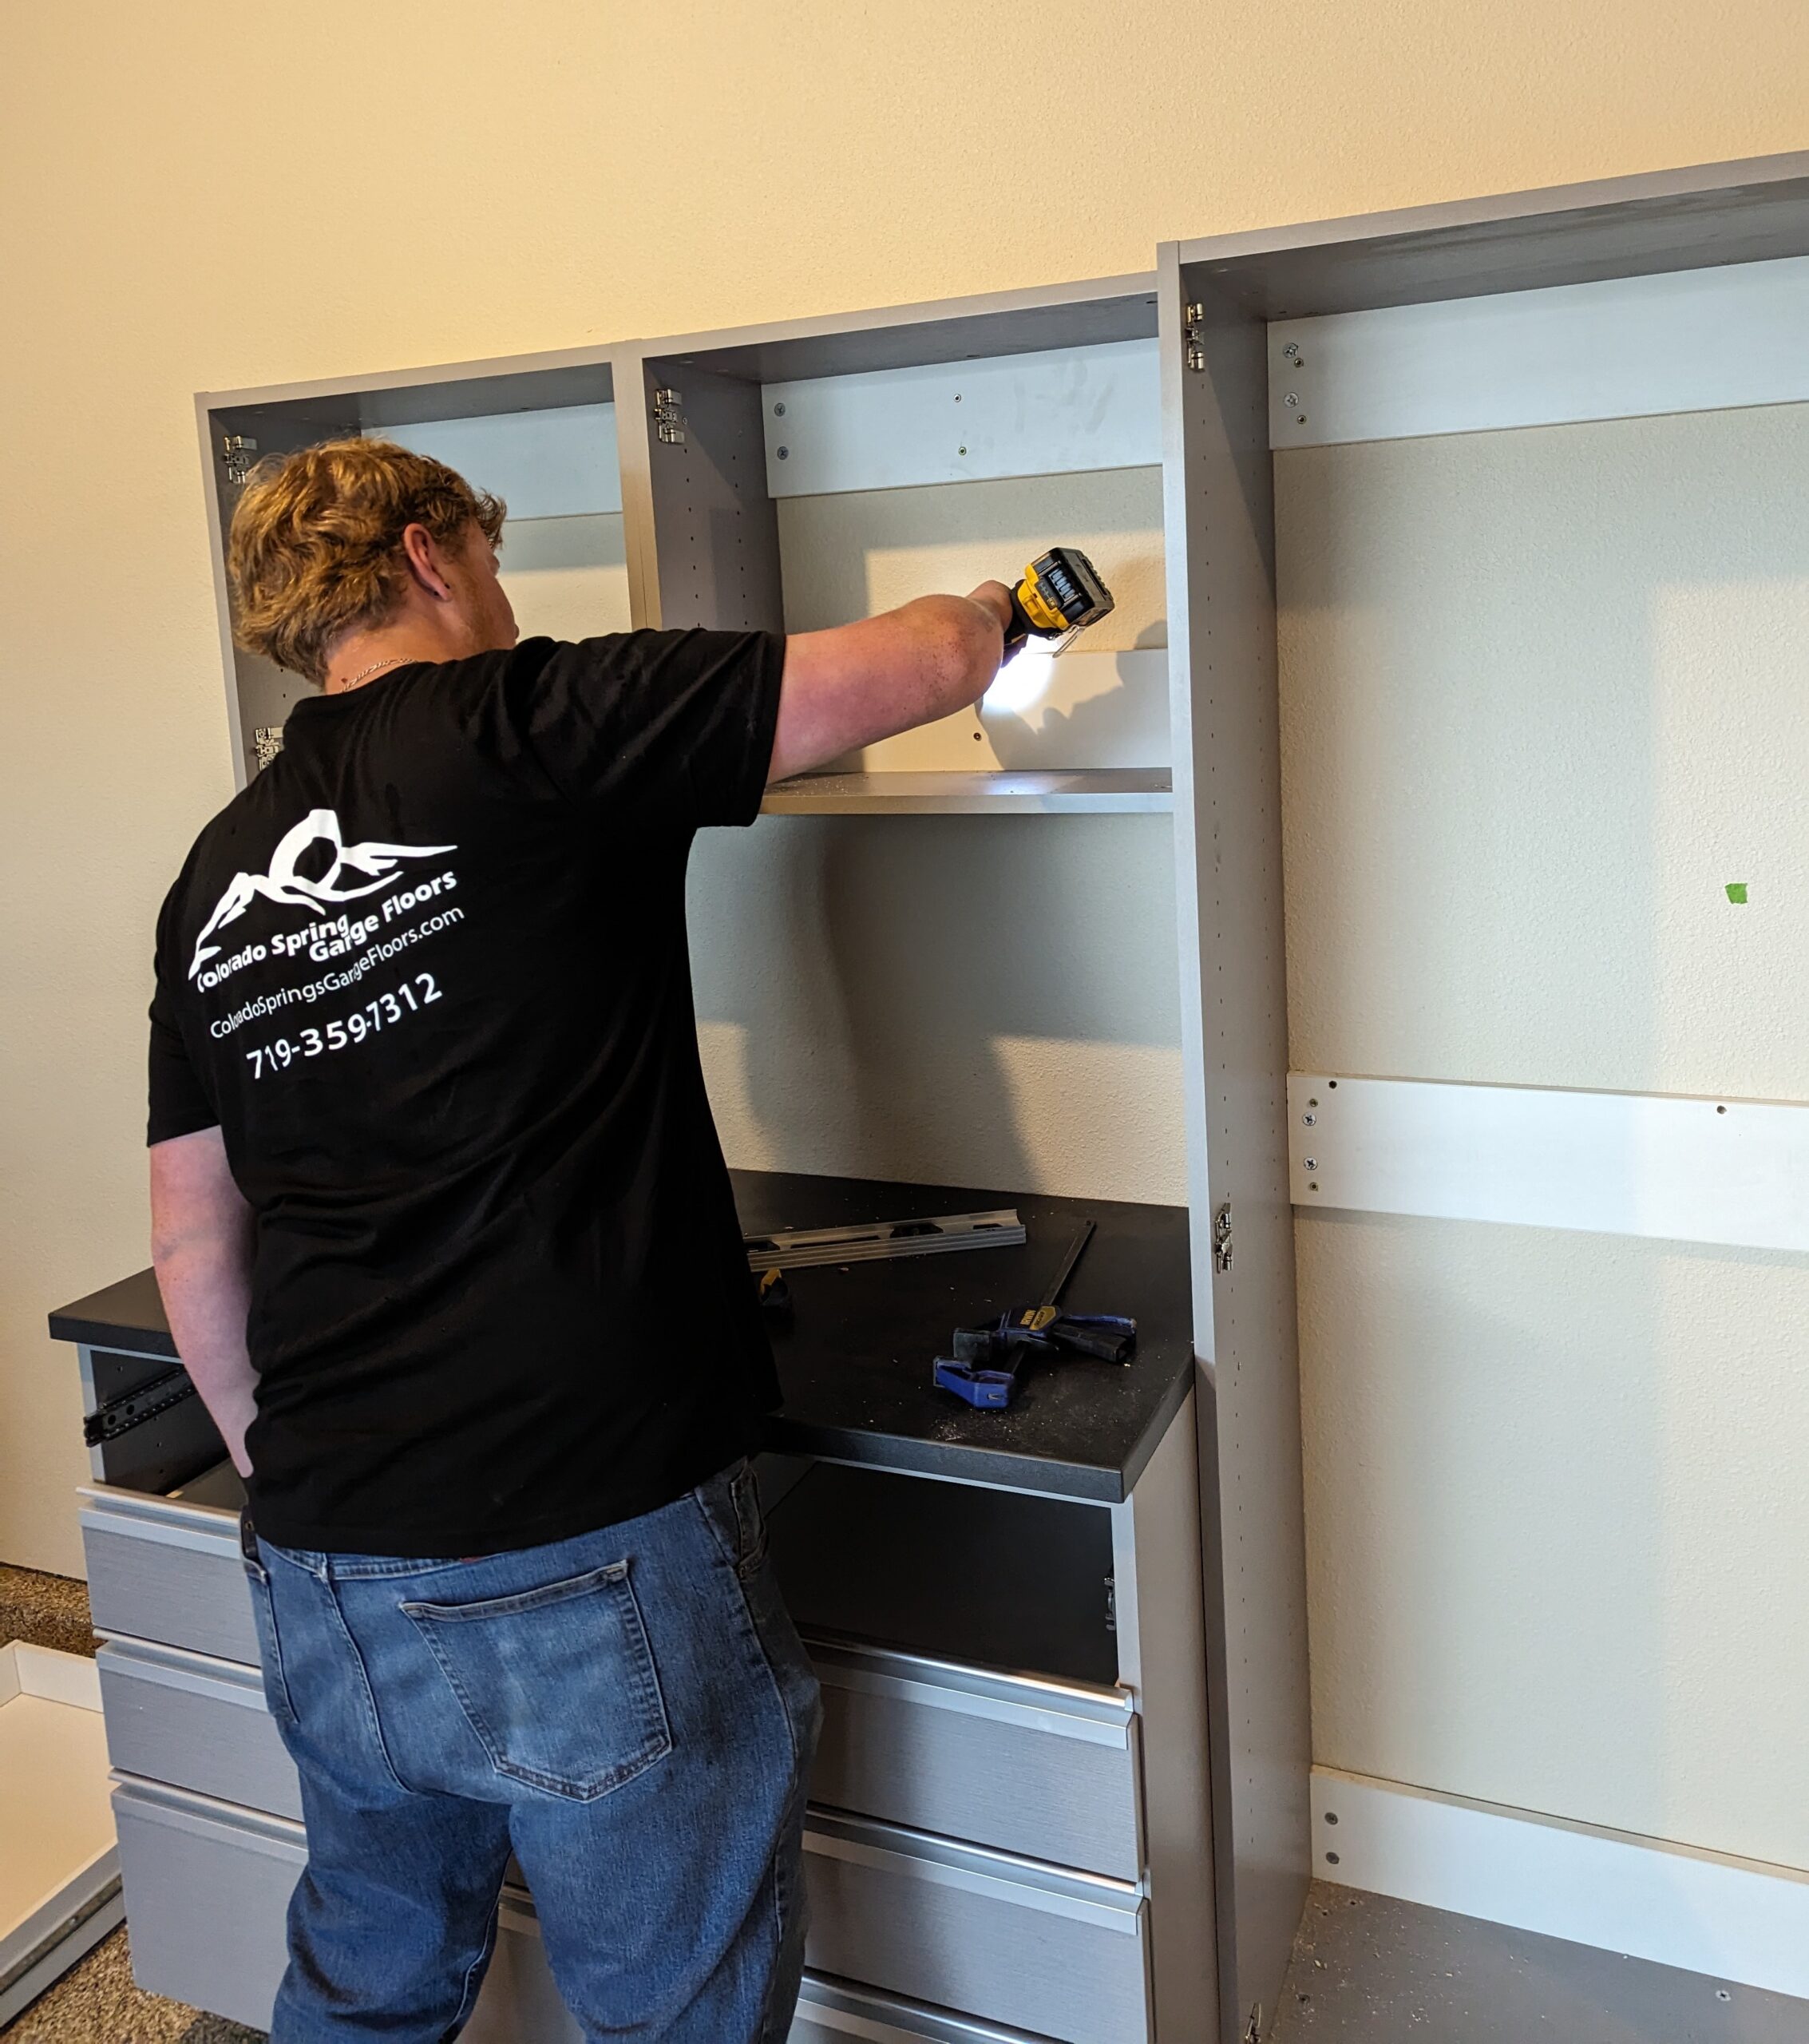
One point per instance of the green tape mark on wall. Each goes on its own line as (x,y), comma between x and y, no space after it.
(1736,890)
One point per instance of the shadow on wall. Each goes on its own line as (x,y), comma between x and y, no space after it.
(973,999)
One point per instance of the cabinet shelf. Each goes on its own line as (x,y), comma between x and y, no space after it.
(1090,791)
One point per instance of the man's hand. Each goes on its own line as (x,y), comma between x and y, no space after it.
(201,1246)
(860,682)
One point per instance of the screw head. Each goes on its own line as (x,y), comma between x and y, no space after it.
(1292,398)
(1292,351)
(784,454)
(1310,1163)
(1310,1120)
(779,410)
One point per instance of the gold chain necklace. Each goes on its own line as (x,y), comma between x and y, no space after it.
(395,660)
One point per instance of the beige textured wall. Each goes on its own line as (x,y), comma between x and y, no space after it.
(1545,693)
(213,196)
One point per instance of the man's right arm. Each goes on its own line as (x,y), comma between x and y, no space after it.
(859,683)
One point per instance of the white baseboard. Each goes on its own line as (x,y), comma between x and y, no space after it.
(1734,1920)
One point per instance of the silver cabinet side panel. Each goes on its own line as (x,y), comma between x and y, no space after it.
(1219,510)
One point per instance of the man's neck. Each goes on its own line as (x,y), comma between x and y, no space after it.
(367,655)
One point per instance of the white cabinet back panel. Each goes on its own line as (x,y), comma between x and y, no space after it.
(559,463)
(1104,704)
(1543,701)
(985,1000)
(566,578)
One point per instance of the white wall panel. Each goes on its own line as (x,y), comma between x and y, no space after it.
(1694,340)
(1543,699)
(1558,1526)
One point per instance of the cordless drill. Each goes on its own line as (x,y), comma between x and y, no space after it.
(1060,594)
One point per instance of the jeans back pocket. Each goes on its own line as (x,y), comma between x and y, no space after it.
(558,1683)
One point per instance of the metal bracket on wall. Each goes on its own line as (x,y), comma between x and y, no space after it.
(1196,337)
(668,417)
(241,451)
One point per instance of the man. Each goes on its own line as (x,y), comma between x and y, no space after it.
(447,1245)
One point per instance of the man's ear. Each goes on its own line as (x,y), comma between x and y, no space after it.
(426,562)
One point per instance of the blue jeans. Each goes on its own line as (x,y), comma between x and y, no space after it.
(630,1712)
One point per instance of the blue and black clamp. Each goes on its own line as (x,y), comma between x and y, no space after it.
(985,1367)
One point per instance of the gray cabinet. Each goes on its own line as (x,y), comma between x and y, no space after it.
(976,1838)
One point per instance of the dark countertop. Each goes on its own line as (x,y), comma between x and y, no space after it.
(856,1362)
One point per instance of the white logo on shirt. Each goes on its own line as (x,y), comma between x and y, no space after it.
(379,865)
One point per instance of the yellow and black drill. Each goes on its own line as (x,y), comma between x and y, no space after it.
(1060,594)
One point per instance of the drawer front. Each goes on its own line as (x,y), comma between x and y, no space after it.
(1045,1769)
(1024,1946)
(837,2012)
(207,1901)
(167,1572)
(206,1896)
(193,1723)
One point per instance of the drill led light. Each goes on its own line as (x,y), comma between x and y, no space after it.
(1021,683)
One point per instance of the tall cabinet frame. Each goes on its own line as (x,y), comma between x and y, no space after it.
(1218,297)
(704,550)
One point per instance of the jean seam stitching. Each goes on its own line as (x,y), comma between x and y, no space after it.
(369,1695)
(275,1673)
(799,1788)
(722,1546)
(467,1998)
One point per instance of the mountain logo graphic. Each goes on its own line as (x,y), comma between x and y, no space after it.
(357,870)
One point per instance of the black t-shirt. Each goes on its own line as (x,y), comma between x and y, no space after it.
(428,974)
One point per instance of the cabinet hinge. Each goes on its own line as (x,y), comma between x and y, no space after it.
(1196,337)
(1222,1244)
(267,741)
(1253,2030)
(241,451)
(669,417)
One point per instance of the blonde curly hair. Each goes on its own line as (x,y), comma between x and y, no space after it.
(316,547)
